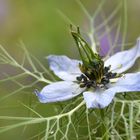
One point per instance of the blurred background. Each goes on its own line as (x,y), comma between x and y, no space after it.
(44,31)
(43,26)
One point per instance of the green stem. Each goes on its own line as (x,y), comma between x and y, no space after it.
(104,125)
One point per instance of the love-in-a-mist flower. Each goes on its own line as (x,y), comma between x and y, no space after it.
(96,79)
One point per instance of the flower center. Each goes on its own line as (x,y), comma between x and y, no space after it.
(93,77)
(94,73)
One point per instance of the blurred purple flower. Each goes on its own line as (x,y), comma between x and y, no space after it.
(108,34)
(106,44)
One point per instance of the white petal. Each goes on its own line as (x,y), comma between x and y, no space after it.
(101,99)
(98,99)
(59,91)
(125,59)
(64,67)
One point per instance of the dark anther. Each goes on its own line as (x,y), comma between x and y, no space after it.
(79,78)
(82,75)
(88,85)
(108,75)
(96,76)
(113,75)
(106,69)
(105,81)
(85,79)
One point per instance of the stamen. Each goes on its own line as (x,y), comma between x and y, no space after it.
(79,78)
(94,77)
(114,80)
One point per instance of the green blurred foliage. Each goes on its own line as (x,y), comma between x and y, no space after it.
(43,30)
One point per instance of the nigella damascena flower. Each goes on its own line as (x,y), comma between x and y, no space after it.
(96,79)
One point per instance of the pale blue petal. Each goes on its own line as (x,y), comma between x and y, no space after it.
(128,83)
(125,59)
(64,67)
(98,99)
(128,79)
(59,91)
(102,98)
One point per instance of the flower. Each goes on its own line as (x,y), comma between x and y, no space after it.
(97,80)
